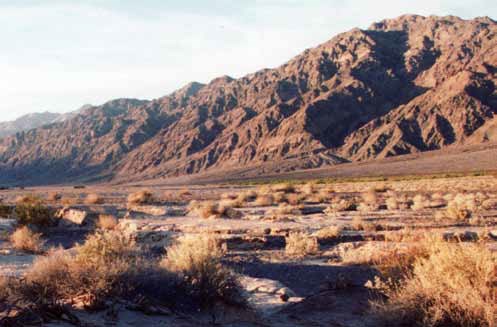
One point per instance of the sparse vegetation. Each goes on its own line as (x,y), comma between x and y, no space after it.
(329,232)
(5,210)
(54,196)
(448,284)
(301,244)
(93,198)
(107,222)
(24,239)
(264,200)
(141,197)
(197,258)
(210,209)
(31,211)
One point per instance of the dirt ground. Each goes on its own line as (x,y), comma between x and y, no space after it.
(324,288)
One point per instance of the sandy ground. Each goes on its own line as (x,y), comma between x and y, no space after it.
(256,244)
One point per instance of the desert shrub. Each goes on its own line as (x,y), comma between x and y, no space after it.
(141,197)
(342,205)
(109,266)
(368,207)
(209,209)
(295,199)
(285,209)
(329,232)
(102,266)
(54,196)
(392,203)
(264,200)
(359,224)
(197,259)
(300,245)
(246,196)
(231,203)
(5,210)
(391,260)
(33,212)
(69,201)
(309,188)
(24,239)
(450,284)
(420,202)
(107,222)
(370,197)
(98,269)
(27,199)
(283,187)
(456,212)
(94,198)
(488,204)
(280,197)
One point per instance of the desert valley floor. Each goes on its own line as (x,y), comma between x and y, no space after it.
(304,253)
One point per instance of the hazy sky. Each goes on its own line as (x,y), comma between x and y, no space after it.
(58,55)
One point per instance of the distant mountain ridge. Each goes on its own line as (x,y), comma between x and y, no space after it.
(35,120)
(404,85)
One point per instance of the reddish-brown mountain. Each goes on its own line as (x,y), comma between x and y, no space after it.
(404,85)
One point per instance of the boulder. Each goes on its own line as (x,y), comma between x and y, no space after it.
(76,217)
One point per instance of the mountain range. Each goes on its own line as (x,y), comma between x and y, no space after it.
(35,120)
(404,85)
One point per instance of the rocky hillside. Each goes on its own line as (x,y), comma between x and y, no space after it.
(35,120)
(404,85)
(27,122)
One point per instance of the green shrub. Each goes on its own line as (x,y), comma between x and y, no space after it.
(5,210)
(33,213)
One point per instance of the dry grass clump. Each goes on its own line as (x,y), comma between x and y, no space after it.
(246,196)
(342,205)
(141,197)
(489,204)
(197,259)
(449,284)
(209,209)
(420,202)
(359,224)
(24,239)
(98,269)
(94,198)
(329,232)
(107,222)
(392,203)
(309,188)
(264,200)
(295,199)
(370,197)
(301,244)
(460,209)
(286,209)
(390,259)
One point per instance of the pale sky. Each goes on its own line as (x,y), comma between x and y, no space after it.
(58,55)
